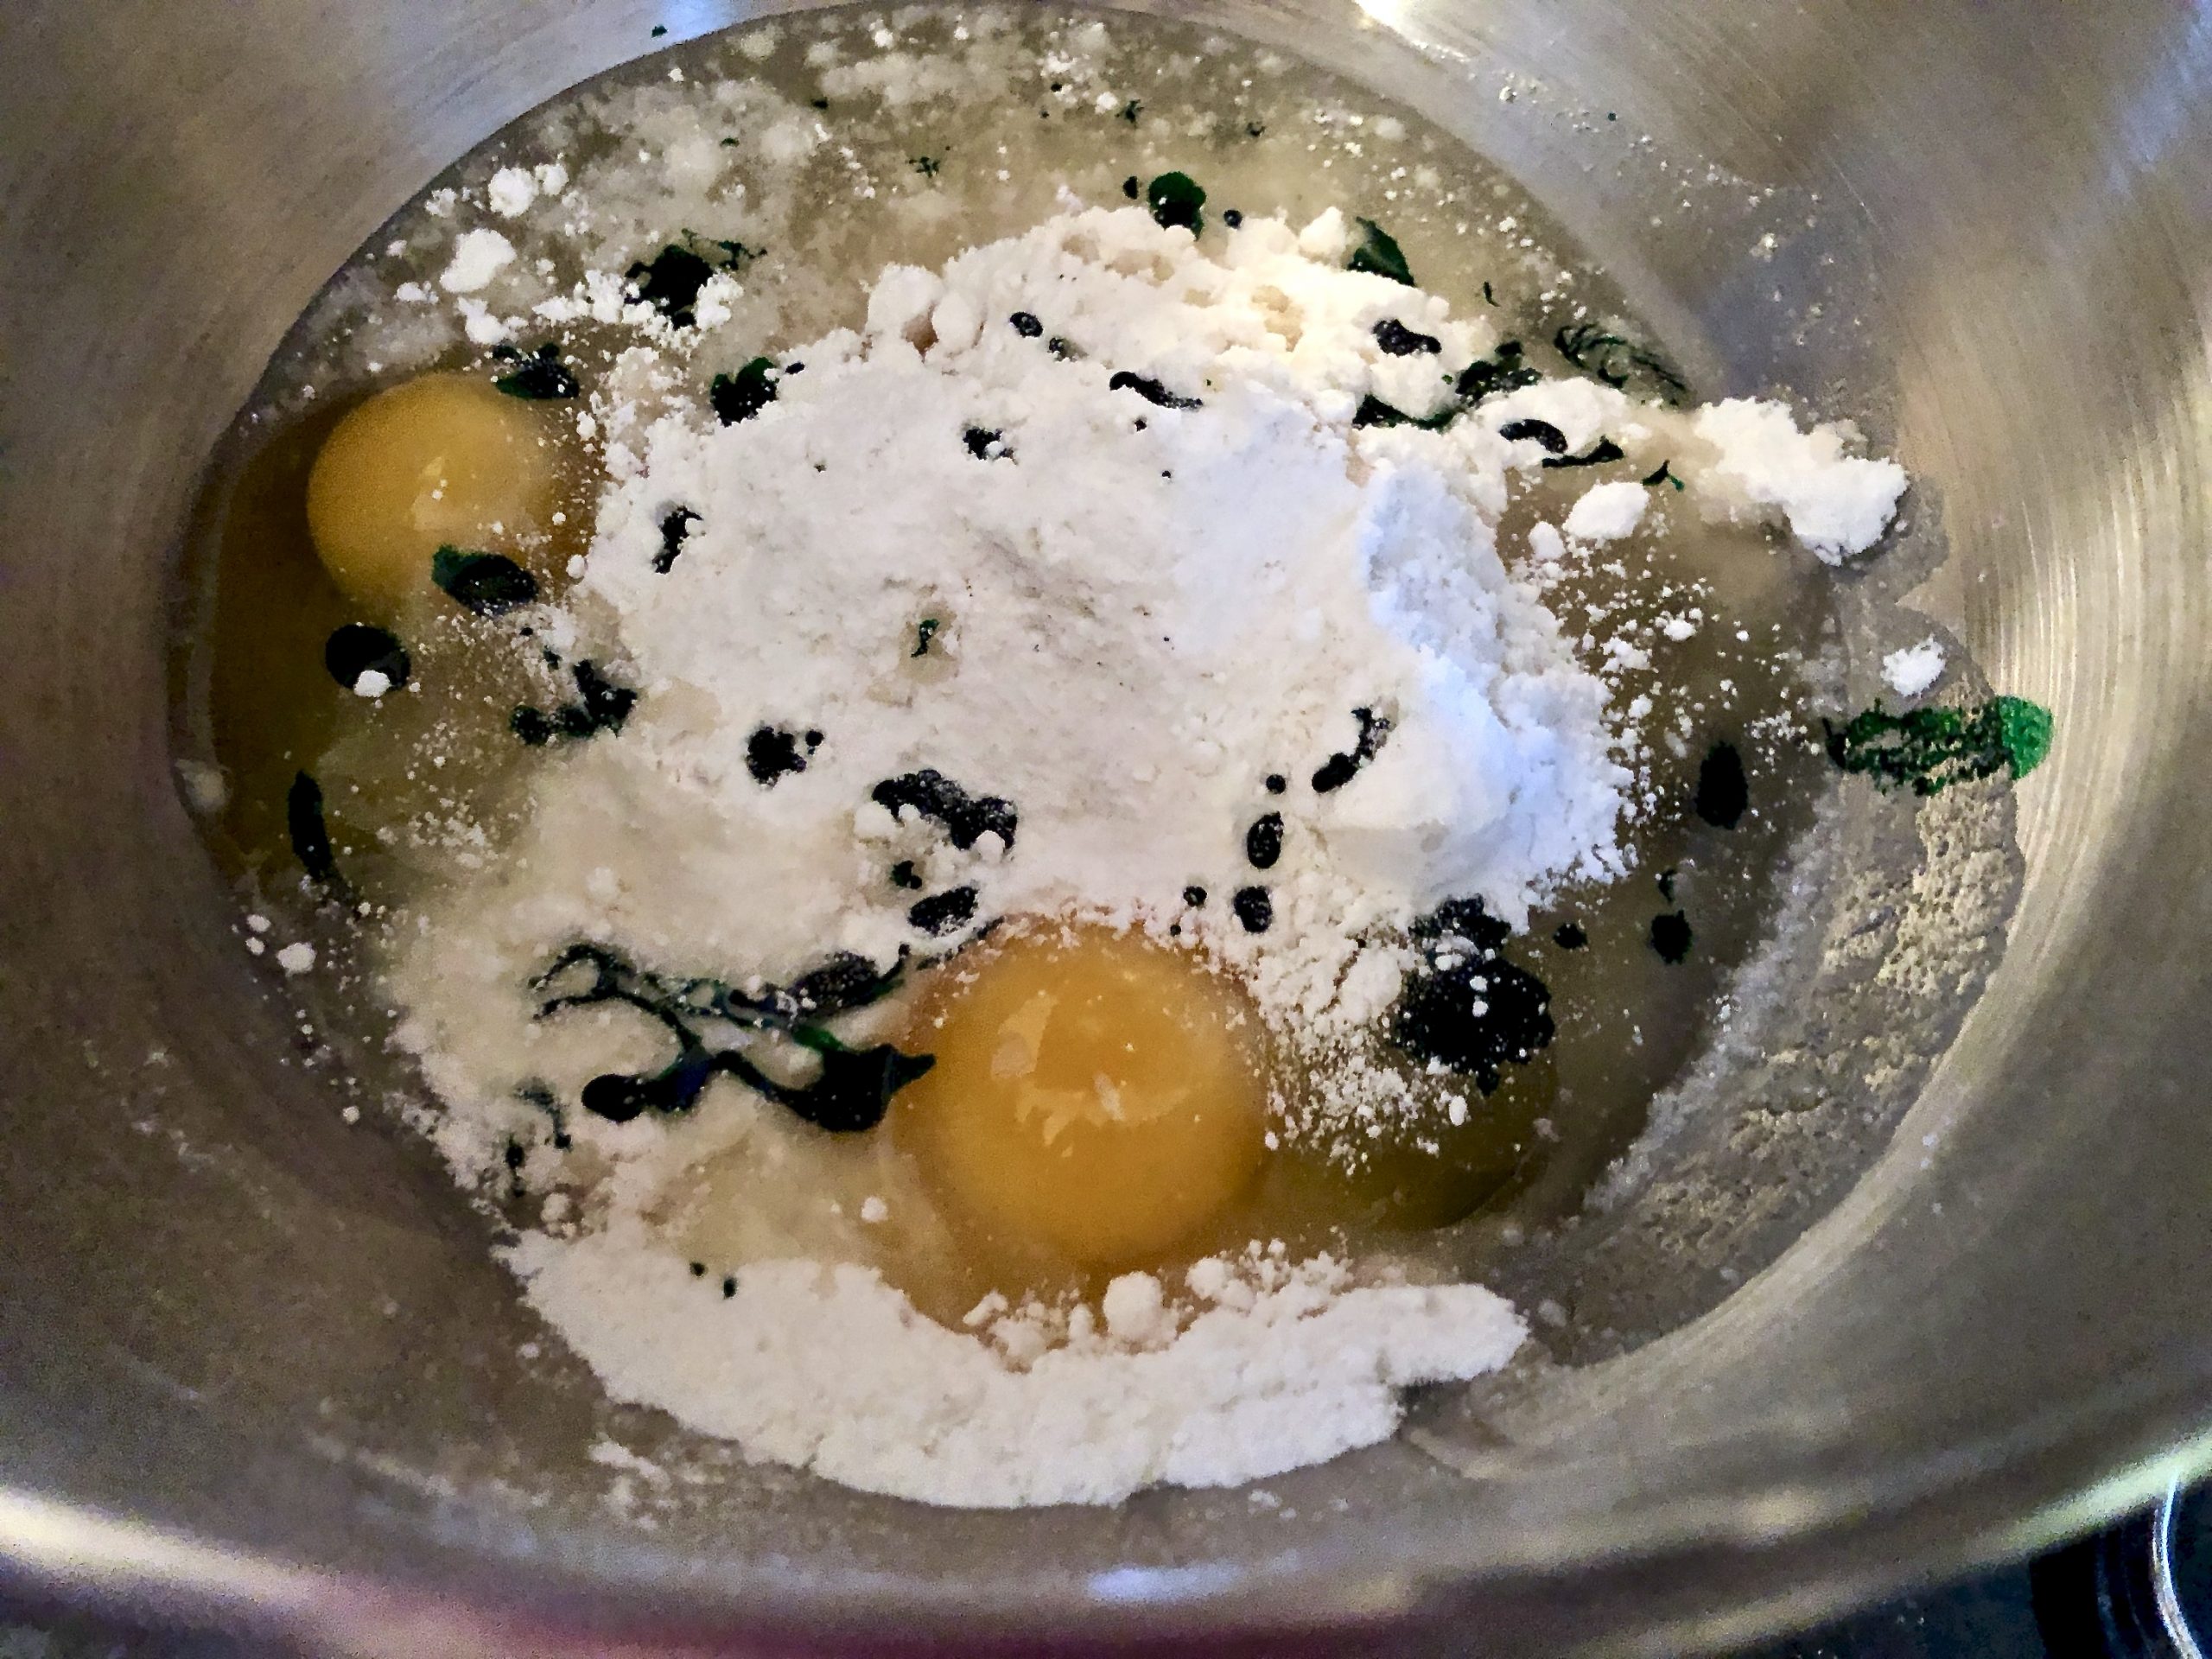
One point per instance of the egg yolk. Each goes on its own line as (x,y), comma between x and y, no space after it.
(1095,1095)
(444,460)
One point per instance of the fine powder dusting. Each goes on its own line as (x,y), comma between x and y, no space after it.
(828,1368)
(1097,526)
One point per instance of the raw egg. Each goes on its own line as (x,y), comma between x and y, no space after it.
(443,460)
(1096,1096)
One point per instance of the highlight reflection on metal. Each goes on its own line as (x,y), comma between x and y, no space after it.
(2171,1614)
(2009,216)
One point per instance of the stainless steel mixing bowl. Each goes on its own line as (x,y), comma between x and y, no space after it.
(256,1365)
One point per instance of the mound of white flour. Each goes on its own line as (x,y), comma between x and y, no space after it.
(1103,530)
(1134,614)
(828,1368)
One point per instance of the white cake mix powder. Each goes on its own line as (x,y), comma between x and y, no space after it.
(1132,545)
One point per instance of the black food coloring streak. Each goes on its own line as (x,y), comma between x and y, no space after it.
(1378,254)
(1264,842)
(1722,792)
(741,396)
(539,1096)
(1176,199)
(670,281)
(1616,361)
(1500,372)
(1373,411)
(1342,767)
(673,529)
(310,836)
(1398,341)
(1150,390)
(358,648)
(966,818)
(600,706)
(841,983)
(1606,450)
(1255,908)
(1670,937)
(1465,1005)
(540,378)
(943,912)
(489,584)
(1542,432)
(772,753)
(851,1092)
